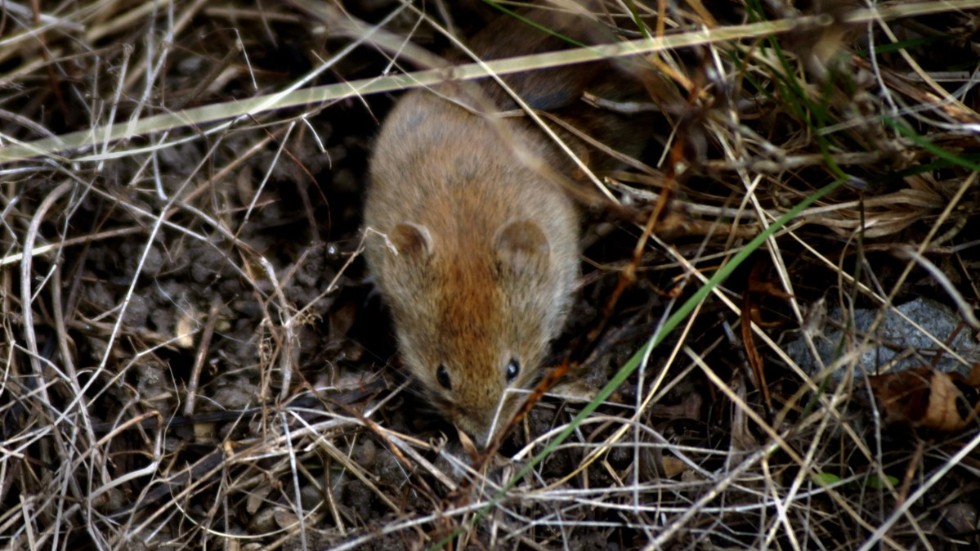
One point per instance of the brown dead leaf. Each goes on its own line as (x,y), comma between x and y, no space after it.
(674,467)
(758,288)
(930,399)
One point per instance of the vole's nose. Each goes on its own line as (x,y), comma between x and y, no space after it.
(479,428)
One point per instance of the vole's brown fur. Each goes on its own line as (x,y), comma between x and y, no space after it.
(478,253)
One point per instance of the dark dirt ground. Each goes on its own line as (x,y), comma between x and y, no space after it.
(200,358)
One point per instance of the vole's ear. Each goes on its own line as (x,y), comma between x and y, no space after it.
(522,247)
(411,241)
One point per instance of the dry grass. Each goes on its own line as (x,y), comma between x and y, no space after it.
(192,356)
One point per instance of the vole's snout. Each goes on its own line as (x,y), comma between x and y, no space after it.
(482,425)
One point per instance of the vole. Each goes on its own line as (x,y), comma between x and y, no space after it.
(474,251)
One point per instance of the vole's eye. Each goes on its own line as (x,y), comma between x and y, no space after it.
(443,377)
(513,368)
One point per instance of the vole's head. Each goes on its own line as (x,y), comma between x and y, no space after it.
(473,315)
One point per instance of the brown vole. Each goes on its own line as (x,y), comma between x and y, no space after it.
(484,257)
(477,256)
